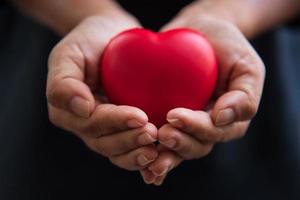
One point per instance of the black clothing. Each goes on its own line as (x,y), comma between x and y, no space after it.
(39,161)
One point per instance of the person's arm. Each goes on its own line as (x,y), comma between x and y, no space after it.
(252,17)
(192,134)
(63,15)
(123,134)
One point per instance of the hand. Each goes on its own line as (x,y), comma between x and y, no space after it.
(192,134)
(121,133)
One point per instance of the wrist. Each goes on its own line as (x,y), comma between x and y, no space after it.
(251,17)
(228,12)
(117,19)
(64,15)
(109,26)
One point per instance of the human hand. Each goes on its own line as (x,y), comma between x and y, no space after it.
(192,134)
(121,133)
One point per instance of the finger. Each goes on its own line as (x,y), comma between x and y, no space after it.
(148,176)
(65,120)
(151,177)
(65,84)
(160,180)
(183,144)
(120,143)
(245,85)
(137,159)
(200,125)
(106,119)
(166,161)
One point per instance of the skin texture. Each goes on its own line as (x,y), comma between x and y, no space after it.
(73,92)
(64,15)
(252,17)
(192,134)
(121,133)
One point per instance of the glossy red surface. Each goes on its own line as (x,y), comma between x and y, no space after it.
(157,72)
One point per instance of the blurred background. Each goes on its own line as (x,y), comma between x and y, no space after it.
(39,161)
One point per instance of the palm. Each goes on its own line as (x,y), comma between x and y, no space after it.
(240,82)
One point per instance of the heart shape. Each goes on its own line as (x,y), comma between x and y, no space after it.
(157,72)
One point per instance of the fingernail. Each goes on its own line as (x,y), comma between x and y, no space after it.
(80,107)
(160,174)
(134,123)
(148,182)
(169,143)
(176,123)
(143,161)
(146,138)
(225,117)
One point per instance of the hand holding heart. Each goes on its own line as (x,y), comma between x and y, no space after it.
(192,134)
(177,68)
(159,72)
(120,133)
(123,133)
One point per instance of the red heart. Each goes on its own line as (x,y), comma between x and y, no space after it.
(157,72)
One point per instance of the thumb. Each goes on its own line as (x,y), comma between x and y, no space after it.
(65,84)
(241,101)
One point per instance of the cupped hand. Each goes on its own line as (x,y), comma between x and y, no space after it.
(192,134)
(121,133)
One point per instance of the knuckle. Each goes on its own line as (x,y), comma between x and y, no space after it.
(53,54)
(114,161)
(241,132)
(128,109)
(253,66)
(102,150)
(251,108)
(55,118)
(148,151)
(186,150)
(121,145)
(52,117)
(96,146)
(221,138)
(151,150)
(51,93)
(84,129)
(240,135)
(206,150)
(249,64)
(127,166)
(140,151)
(236,132)
(162,132)
(210,136)
(99,120)
(192,152)
(104,112)
(90,129)
(257,66)
(64,51)
(59,119)
(55,94)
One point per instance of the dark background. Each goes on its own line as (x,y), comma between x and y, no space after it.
(39,161)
